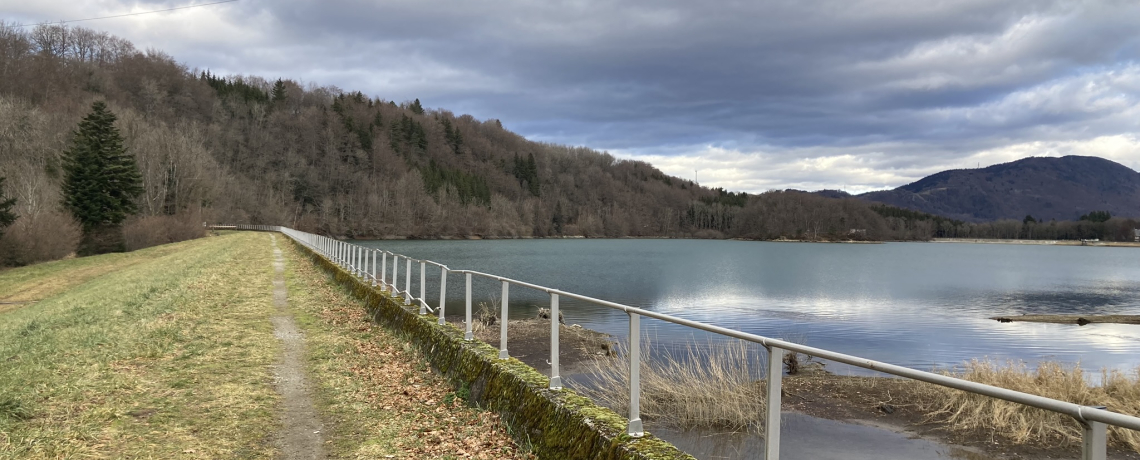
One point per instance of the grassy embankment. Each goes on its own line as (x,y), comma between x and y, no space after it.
(715,388)
(381,395)
(168,352)
(163,352)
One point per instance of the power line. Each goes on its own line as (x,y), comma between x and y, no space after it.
(127,14)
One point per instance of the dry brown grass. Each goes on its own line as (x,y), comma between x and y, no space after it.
(717,386)
(966,412)
(714,386)
(380,395)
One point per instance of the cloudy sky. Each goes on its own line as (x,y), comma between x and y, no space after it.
(747,95)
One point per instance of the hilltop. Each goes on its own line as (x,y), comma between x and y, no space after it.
(1062,188)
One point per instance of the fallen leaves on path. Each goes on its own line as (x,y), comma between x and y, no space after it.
(399,387)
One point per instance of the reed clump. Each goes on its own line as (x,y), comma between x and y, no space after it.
(965,412)
(708,387)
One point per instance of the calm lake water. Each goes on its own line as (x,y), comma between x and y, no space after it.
(919,305)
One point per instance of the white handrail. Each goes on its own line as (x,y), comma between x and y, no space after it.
(1092,419)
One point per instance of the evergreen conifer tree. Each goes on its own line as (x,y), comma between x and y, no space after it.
(101,181)
(6,215)
(279,91)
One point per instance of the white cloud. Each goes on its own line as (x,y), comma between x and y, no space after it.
(862,169)
(1121,148)
(855,94)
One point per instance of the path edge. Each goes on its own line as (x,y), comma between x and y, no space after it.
(556,424)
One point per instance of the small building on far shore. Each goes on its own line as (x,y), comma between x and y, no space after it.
(1136,235)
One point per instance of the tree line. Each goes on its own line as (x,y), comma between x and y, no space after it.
(246,149)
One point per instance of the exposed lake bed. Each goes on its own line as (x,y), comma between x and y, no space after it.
(826,416)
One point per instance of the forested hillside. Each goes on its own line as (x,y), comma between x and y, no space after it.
(246,149)
(1046,188)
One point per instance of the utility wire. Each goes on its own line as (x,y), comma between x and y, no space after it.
(127,14)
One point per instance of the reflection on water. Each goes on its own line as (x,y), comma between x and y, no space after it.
(913,304)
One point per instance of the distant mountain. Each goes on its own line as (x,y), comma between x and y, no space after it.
(1046,188)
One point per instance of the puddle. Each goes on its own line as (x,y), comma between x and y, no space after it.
(810,438)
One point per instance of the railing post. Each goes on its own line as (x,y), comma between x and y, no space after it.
(394,285)
(555,379)
(423,283)
(442,293)
(635,429)
(408,281)
(503,325)
(384,270)
(774,387)
(1095,439)
(467,334)
(395,274)
(373,254)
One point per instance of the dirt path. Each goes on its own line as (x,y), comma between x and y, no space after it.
(302,436)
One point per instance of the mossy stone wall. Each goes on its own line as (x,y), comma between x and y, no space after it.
(558,424)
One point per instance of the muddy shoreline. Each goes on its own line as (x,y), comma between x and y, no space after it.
(1106,244)
(1079,320)
(886,403)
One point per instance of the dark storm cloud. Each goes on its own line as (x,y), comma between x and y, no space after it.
(889,90)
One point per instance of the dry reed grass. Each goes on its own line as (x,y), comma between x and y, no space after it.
(717,387)
(714,386)
(964,412)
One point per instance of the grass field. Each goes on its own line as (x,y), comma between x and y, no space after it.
(163,352)
(168,352)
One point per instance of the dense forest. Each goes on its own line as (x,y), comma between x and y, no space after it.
(245,149)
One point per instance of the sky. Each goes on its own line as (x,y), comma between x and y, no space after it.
(754,95)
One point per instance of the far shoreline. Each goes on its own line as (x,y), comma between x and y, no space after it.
(1115,244)
(1091,243)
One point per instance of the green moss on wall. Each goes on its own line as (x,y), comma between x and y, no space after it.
(558,424)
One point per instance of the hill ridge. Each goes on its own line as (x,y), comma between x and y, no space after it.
(1046,188)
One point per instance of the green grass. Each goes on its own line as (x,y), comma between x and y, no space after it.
(35,282)
(163,352)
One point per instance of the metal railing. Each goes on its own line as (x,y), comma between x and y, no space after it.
(371,264)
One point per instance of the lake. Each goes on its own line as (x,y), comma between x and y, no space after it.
(921,305)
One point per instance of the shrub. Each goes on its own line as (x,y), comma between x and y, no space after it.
(144,232)
(40,237)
